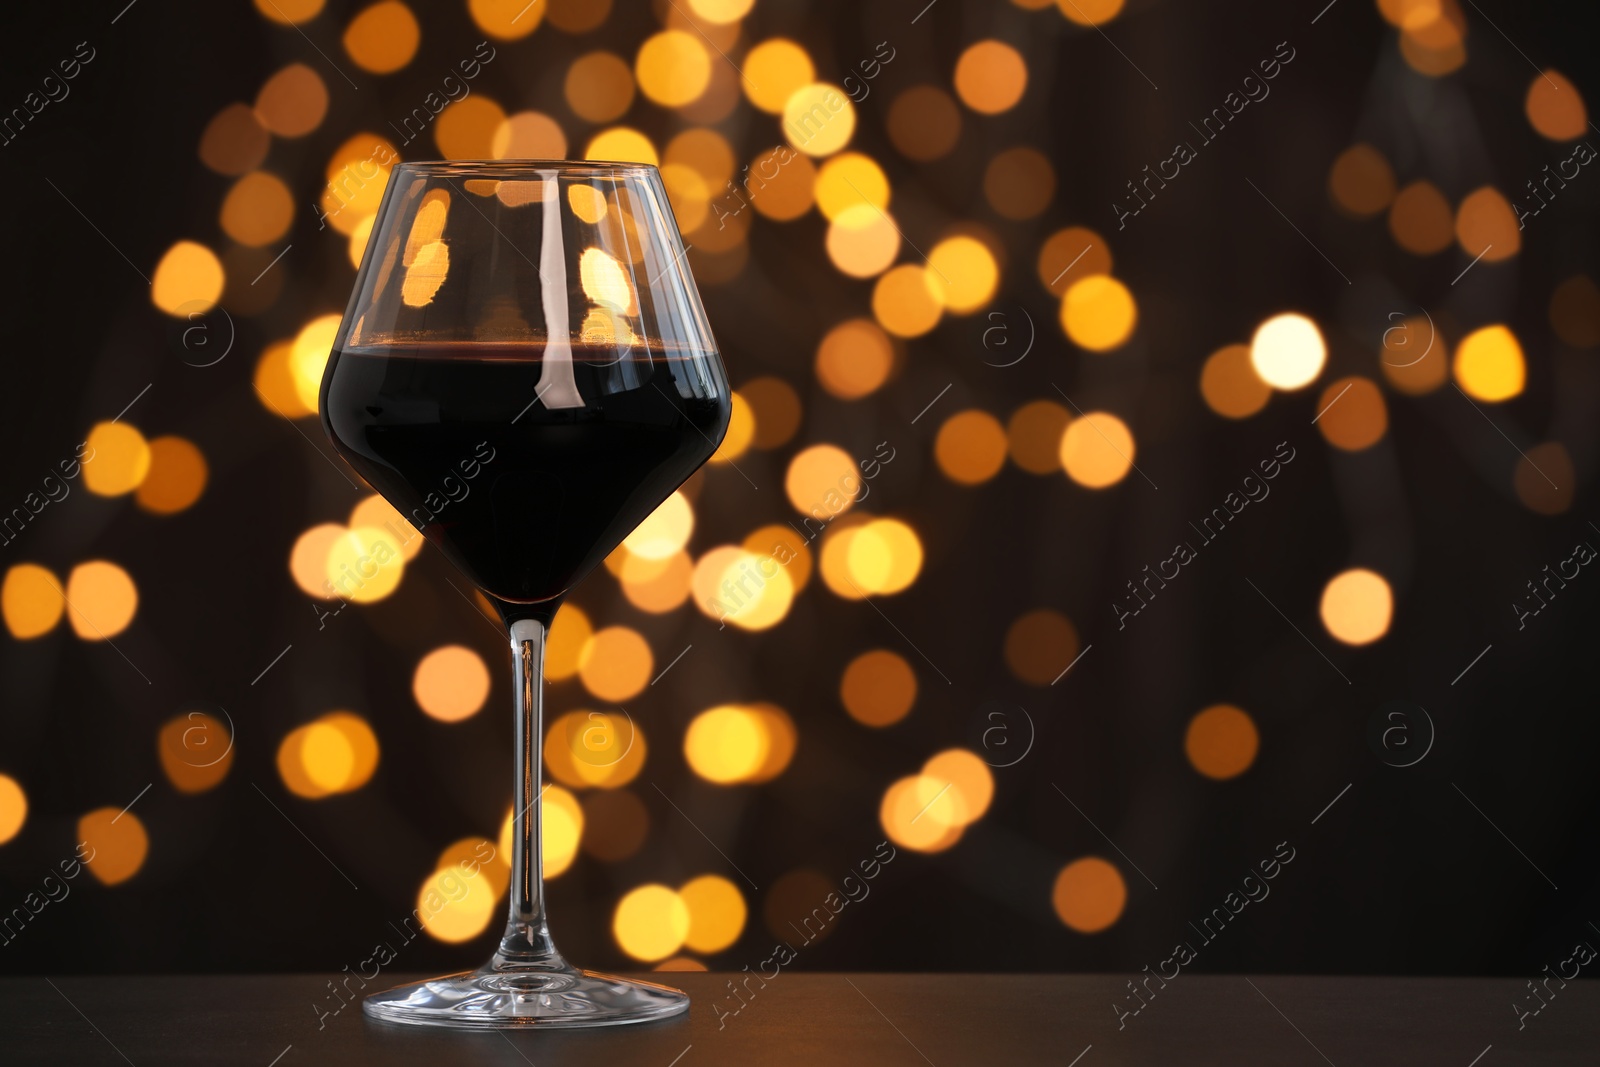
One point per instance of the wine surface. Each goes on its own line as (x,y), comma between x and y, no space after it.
(526,467)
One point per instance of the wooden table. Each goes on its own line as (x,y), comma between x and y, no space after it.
(833,1020)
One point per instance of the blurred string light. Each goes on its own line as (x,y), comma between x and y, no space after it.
(1357,606)
(196,751)
(878,688)
(1221,741)
(734,744)
(451,683)
(927,812)
(117,844)
(1040,645)
(1033,436)
(594,749)
(13,808)
(1089,895)
(1489,364)
(336,753)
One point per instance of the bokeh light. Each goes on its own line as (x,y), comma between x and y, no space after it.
(1555,107)
(1357,605)
(176,478)
(1352,415)
(1489,365)
(717,912)
(119,458)
(117,844)
(651,922)
(617,664)
(924,123)
(1361,181)
(969,271)
(586,749)
(101,600)
(1420,219)
(188,280)
(775,70)
(970,447)
(1033,436)
(1221,742)
(1089,895)
(908,300)
(1019,183)
(1097,450)
(1068,256)
(1230,385)
(878,688)
(1098,313)
(1288,351)
(451,683)
(13,808)
(383,38)
(30,599)
(196,751)
(1544,479)
(990,77)
(819,119)
(673,68)
(1486,227)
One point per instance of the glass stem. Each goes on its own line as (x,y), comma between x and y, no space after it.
(527,944)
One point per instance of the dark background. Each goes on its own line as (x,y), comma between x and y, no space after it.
(1402,875)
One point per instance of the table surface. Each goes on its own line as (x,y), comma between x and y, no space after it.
(823,1020)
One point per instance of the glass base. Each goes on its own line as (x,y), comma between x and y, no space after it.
(489,999)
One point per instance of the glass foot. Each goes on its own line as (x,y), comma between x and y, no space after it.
(486,999)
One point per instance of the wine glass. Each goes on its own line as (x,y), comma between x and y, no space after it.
(525,372)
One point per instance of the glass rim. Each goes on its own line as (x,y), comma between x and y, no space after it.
(522,167)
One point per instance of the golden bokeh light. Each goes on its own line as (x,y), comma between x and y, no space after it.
(117,844)
(970,447)
(657,586)
(783,544)
(853,361)
(1352,414)
(364,564)
(751,589)
(188,280)
(176,478)
(358,173)
(30,599)
(1287,351)
(721,12)
(101,600)
(491,862)
(1090,12)
(1357,606)
(862,241)
(383,38)
(119,459)
(599,87)
(567,644)
(878,688)
(455,903)
(726,744)
(673,68)
(969,271)
(1544,479)
(1555,107)
(196,751)
(1432,39)
(664,531)
(451,683)
(822,481)
(1097,450)
(881,556)
(376,511)
(924,123)
(336,753)
(308,358)
(908,300)
(1361,182)
(775,70)
(915,814)
(1486,227)
(585,749)
(1099,313)
(290,12)
(1040,646)
(1489,365)
(704,151)
(1221,742)
(741,431)
(1033,436)
(1089,895)
(293,101)
(1068,256)
(717,911)
(466,129)
(1230,385)
(776,407)
(308,559)
(562,822)
(967,777)
(818,119)
(528,135)
(650,923)
(578,16)
(850,179)
(1420,219)
(617,665)
(781,190)
(509,20)
(13,808)
(990,77)
(1019,183)
(621,144)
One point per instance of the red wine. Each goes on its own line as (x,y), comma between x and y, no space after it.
(525,474)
